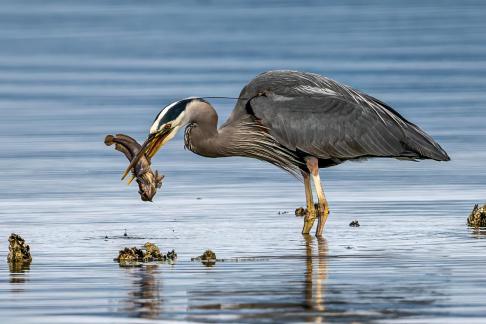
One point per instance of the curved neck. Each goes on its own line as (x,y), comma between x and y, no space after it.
(242,137)
(202,136)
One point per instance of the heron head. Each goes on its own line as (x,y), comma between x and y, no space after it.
(165,126)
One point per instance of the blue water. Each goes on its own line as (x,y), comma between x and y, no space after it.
(73,71)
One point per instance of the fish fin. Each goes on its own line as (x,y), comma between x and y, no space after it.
(130,179)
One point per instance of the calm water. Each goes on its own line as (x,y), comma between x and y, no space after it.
(73,71)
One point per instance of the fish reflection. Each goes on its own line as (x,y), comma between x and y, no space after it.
(144,301)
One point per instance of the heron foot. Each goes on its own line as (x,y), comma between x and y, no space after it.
(309,220)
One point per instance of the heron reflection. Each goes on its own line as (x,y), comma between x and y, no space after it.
(273,298)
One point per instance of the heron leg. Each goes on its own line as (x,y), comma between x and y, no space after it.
(310,217)
(313,166)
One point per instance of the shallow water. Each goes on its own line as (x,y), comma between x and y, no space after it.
(73,71)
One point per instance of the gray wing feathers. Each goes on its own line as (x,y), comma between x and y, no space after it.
(321,117)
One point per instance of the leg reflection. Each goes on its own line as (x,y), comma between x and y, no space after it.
(316,272)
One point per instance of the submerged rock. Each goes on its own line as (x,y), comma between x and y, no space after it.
(150,252)
(18,251)
(354,223)
(477,218)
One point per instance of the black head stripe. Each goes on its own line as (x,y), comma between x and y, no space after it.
(173,111)
(176,110)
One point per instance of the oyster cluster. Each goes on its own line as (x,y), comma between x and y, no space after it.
(208,258)
(18,250)
(148,253)
(477,218)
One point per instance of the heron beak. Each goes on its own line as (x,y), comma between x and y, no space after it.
(150,147)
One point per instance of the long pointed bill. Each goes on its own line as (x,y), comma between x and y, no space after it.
(149,148)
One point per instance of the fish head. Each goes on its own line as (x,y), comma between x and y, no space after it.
(148,184)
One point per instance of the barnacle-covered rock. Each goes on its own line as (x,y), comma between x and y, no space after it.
(208,255)
(18,250)
(477,218)
(130,255)
(152,253)
(208,258)
(149,252)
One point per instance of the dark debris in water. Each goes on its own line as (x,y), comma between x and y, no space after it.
(18,251)
(354,223)
(477,218)
(148,253)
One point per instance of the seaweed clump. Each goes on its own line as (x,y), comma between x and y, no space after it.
(477,218)
(208,258)
(149,253)
(18,251)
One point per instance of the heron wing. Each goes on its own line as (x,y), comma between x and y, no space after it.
(320,117)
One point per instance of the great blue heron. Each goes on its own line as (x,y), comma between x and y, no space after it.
(299,122)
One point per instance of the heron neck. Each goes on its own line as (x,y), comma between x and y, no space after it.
(203,137)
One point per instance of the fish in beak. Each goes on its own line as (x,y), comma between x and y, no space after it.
(150,147)
(147,180)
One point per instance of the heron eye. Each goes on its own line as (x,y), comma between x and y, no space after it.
(167,126)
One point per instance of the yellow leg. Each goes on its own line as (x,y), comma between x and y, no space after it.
(310,217)
(312,165)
